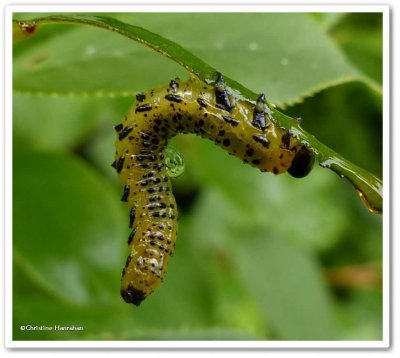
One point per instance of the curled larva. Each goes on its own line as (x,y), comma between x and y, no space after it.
(242,128)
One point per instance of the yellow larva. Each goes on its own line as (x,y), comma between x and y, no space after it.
(240,127)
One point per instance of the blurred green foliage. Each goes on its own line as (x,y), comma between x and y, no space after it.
(258,256)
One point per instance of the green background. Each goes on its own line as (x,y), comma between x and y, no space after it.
(258,257)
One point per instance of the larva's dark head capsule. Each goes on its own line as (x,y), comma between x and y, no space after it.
(132,295)
(302,163)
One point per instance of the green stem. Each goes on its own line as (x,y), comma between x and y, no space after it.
(368,186)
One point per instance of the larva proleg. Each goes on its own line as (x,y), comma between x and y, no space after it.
(241,127)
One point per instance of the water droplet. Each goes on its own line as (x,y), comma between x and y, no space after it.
(369,206)
(174,162)
(253,46)
(284,61)
(219,45)
(369,187)
(90,50)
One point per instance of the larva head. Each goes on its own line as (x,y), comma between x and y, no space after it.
(302,163)
(132,295)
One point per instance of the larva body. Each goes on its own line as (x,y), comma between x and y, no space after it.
(240,127)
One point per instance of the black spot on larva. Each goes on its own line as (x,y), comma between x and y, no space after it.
(232,121)
(150,157)
(132,295)
(157,235)
(140,97)
(153,206)
(275,170)
(202,102)
(158,214)
(262,140)
(302,163)
(118,127)
(120,164)
(131,236)
(158,166)
(173,98)
(221,95)
(125,193)
(221,133)
(249,152)
(145,136)
(143,182)
(132,215)
(286,141)
(155,198)
(143,108)
(148,174)
(114,164)
(174,85)
(161,246)
(154,180)
(226,142)
(201,122)
(256,161)
(125,132)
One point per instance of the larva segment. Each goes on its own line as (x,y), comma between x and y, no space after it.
(152,218)
(240,127)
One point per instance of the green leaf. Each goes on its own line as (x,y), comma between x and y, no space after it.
(52,123)
(259,44)
(327,20)
(360,37)
(288,286)
(65,219)
(283,278)
(361,317)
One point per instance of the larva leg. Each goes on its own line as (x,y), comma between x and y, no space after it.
(243,129)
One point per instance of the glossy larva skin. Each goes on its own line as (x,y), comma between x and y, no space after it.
(181,107)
